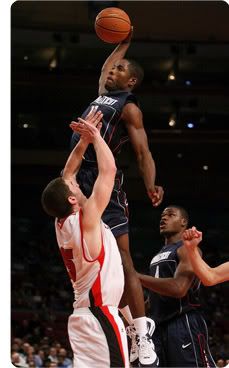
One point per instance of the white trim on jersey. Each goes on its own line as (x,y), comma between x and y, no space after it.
(193,344)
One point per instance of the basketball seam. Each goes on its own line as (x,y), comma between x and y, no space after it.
(111,30)
(116,17)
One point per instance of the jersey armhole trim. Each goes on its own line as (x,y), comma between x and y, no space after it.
(101,253)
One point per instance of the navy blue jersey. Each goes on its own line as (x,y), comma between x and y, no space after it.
(163,308)
(113,129)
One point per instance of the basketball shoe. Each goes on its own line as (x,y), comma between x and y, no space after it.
(142,352)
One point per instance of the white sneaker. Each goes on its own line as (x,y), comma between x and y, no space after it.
(131,333)
(150,326)
(146,352)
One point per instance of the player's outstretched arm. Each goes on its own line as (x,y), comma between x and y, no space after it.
(208,276)
(133,119)
(118,54)
(75,158)
(100,197)
(94,206)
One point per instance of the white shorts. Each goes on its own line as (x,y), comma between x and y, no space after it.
(98,338)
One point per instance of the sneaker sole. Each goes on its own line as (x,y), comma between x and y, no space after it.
(154,364)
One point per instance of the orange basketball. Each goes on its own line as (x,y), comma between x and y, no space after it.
(112,25)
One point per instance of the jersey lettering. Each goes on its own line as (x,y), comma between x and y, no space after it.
(104,100)
(160,257)
(67,255)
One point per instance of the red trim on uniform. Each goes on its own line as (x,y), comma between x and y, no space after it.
(203,352)
(112,132)
(192,305)
(96,288)
(122,141)
(115,327)
(81,231)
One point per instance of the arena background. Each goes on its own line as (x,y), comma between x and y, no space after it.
(56,60)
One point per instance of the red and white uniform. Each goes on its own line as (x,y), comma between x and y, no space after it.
(96,332)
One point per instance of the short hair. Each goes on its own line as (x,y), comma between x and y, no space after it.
(136,71)
(182,210)
(54,199)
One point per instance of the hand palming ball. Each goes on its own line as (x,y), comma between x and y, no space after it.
(112,25)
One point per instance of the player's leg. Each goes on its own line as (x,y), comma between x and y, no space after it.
(159,338)
(187,342)
(134,294)
(116,217)
(97,337)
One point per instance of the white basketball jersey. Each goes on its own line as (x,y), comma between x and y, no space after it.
(96,282)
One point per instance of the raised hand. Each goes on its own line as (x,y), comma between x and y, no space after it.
(89,127)
(192,237)
(156,196)
(129,36)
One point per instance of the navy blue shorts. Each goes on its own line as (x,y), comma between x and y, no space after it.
(116,213)
(183,342)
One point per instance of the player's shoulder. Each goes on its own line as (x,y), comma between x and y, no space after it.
(66,223)
(131,110)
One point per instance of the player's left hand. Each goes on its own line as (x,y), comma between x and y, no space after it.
(192,237)
(156,196)
(89,127)
(129,36)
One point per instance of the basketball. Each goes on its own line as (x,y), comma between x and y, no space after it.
(112,25)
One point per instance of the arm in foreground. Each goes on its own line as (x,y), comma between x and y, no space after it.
(75,158)
(102,189)
(177,286)
(209,276)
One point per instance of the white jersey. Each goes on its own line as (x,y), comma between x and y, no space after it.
(98,282)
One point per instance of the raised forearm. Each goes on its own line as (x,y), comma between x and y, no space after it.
(105,158)
(118,53)
(202,270)
(164,286)
(75,159)
(147,169)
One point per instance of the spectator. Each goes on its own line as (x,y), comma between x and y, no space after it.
(18,360)
(39,358)
(64,362)
(220,363)
(53,355)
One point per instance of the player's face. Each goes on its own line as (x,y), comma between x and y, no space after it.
(171,221)
(118,77)
(74,188)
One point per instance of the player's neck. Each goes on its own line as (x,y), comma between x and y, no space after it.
(173,238)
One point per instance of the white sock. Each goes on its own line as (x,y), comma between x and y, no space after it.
(127,314)
(140,325)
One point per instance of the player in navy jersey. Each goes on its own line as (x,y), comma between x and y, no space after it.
(123,121)
(181,336)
